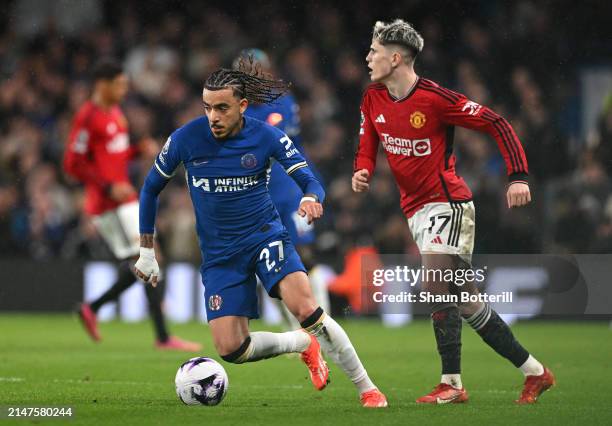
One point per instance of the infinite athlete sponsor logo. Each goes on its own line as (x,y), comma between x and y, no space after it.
(226,184)
(407,147)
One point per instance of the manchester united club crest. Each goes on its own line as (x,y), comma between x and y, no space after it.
(214,302)
(248,161)
(417,119)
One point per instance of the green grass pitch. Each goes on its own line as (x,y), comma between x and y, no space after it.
(48,361)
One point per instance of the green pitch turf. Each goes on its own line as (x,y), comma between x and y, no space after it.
(48,361)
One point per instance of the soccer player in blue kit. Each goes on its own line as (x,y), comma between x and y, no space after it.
(227,157)
(283,114)
(286,195)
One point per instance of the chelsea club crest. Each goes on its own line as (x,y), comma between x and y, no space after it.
(214,302)
(248,161)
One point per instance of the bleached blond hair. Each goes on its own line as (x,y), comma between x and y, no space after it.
(398,32)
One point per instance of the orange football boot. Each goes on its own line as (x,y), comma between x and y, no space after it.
(373,399)
(317,367)
(444,394)
(534,387)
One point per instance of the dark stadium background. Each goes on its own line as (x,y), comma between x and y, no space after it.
(532,61)
(544,65)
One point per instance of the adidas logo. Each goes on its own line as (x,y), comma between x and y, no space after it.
(436,240)
(380,119)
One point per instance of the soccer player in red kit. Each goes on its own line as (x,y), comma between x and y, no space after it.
(98,154)
(413,119)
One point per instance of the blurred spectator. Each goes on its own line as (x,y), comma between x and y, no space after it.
(509,56)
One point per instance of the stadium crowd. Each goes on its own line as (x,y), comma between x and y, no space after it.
(48,48)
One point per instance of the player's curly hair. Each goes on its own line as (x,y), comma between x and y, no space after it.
(398,32)
(248,81)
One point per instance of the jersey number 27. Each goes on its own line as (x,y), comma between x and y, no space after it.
(265,254)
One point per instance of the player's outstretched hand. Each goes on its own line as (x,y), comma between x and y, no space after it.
(518,194)
(311,209)
(360,180)
(146,267)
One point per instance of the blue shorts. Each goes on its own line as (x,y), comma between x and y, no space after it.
(230,288)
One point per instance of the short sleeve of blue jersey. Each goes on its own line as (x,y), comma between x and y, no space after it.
(169,158)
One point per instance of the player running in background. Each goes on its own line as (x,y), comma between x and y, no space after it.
(226,156)
(98,154)
(414,119)
(286,195)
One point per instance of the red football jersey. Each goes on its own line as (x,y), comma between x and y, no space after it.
(416,133)
(98,154)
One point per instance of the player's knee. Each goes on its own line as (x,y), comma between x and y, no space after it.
(470,308)
(313,317)
(437,307)
(303,311)
(235,353)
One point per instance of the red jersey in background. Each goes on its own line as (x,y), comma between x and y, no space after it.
(416,133)
(98,154)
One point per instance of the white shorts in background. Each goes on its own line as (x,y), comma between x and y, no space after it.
(445,228)
(119,229)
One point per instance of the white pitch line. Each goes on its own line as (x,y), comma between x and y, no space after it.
(132,383)
(101,382)
(12,379)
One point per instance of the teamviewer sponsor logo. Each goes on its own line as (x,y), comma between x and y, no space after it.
(407,147)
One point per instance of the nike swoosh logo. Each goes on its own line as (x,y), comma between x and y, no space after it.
(198,163)
(446,401)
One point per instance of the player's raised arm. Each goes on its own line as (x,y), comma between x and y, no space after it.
(365,157)
(146,268)
(460,111)
(296,166)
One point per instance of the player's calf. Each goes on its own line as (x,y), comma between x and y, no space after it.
(337,345)
(240,355)
(237,345)
(297,296)
(498,335)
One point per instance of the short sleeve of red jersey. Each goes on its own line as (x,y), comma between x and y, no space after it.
(458,110)
(365,157)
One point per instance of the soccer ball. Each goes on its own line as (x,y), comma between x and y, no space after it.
(201,381)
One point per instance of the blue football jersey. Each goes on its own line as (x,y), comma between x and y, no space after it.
(227,181)
(283,114)
(286,194)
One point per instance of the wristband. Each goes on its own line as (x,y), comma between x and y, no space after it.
(308,198)
(147,252)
